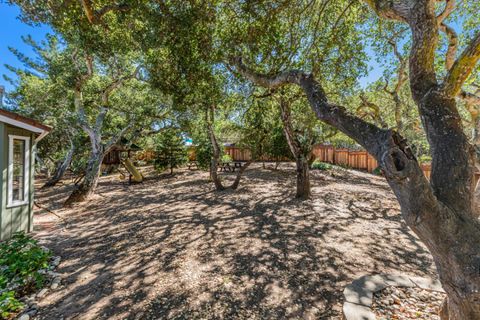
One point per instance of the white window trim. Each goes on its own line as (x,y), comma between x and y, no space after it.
(26,178)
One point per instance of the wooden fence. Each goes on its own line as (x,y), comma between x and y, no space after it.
(355,159)
(345,157)
(238,154)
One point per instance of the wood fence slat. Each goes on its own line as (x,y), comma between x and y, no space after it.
(355,159)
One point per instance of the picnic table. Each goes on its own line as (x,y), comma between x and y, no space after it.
(229,166)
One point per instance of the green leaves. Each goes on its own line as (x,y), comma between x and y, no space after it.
(170,150)
(21,259)
(9,304)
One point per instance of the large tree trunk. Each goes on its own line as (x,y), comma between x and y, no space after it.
(216,157)
(61,168)
(240,172)
(453,235)
(303,178)
(216,151)
(298,152)
(90,181)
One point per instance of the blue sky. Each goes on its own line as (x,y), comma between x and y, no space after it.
(12,29)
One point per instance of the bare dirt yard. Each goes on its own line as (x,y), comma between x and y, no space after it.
(172,248)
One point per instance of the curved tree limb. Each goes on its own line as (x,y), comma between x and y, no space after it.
(117,83)
(285,113)
(374,111)
(392,10)
(452,45)
(420,16)
(95,16)
(365,133)
(462,68)
(401,79)
(449,8)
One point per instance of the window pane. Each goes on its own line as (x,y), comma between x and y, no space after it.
(18,170)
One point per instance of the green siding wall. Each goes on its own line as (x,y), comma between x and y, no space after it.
(18,218)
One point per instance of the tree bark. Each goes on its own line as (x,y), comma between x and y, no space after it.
(440,212)
(92,174)
(61,168)
(99,148)
(303,178)
(239,175)
(216,157)
(299,151)
(401,78)
(216,151)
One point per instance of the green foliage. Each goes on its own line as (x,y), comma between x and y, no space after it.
(425,159)
(203,153)
(171,150)
(226,158)
(277,146)
(343,166)
(9,304)
(377,171)
(21,259)
(318,165)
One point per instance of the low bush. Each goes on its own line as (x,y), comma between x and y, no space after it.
(377,171)
(317,165)
(21,259)
(226,158)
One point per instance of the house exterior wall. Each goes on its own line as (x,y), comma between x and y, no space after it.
(19,218)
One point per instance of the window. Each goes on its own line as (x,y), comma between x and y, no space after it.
(18,170)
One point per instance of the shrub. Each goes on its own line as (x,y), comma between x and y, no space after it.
(9,304)
(171,151)
(377,171)
(203,155)
(317,165)
(226,158)
(21,259)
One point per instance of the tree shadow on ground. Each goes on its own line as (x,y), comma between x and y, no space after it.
(175,249)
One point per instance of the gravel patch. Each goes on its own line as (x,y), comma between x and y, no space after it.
(394,303)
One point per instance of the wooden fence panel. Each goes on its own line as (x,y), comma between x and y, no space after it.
(354,159)
(372,163)
(361,160)
(357,159)
(340,157)
(238,154)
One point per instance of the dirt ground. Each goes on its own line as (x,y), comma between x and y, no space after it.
(172,248)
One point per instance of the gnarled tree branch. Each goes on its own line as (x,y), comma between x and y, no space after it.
(449,7)
(365,133)
(452,45)
(117,83)
(462,68)
(392,9)
(95,16)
